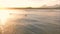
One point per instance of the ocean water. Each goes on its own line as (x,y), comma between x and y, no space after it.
(33,21)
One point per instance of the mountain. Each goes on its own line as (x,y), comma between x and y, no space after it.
(55,6)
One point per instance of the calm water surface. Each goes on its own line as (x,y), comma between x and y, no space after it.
(33,21)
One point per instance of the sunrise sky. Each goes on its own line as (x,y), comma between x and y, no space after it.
(27,3)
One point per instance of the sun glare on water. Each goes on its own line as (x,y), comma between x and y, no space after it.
(4,14)
(7,14)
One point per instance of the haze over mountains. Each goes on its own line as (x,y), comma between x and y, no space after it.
(55,6)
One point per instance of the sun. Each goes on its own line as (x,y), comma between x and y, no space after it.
(4,14)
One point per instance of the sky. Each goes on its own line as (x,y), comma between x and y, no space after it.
(28,3)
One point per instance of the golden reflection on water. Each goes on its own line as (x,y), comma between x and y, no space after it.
(9,14)
(6,18)
(35,22)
